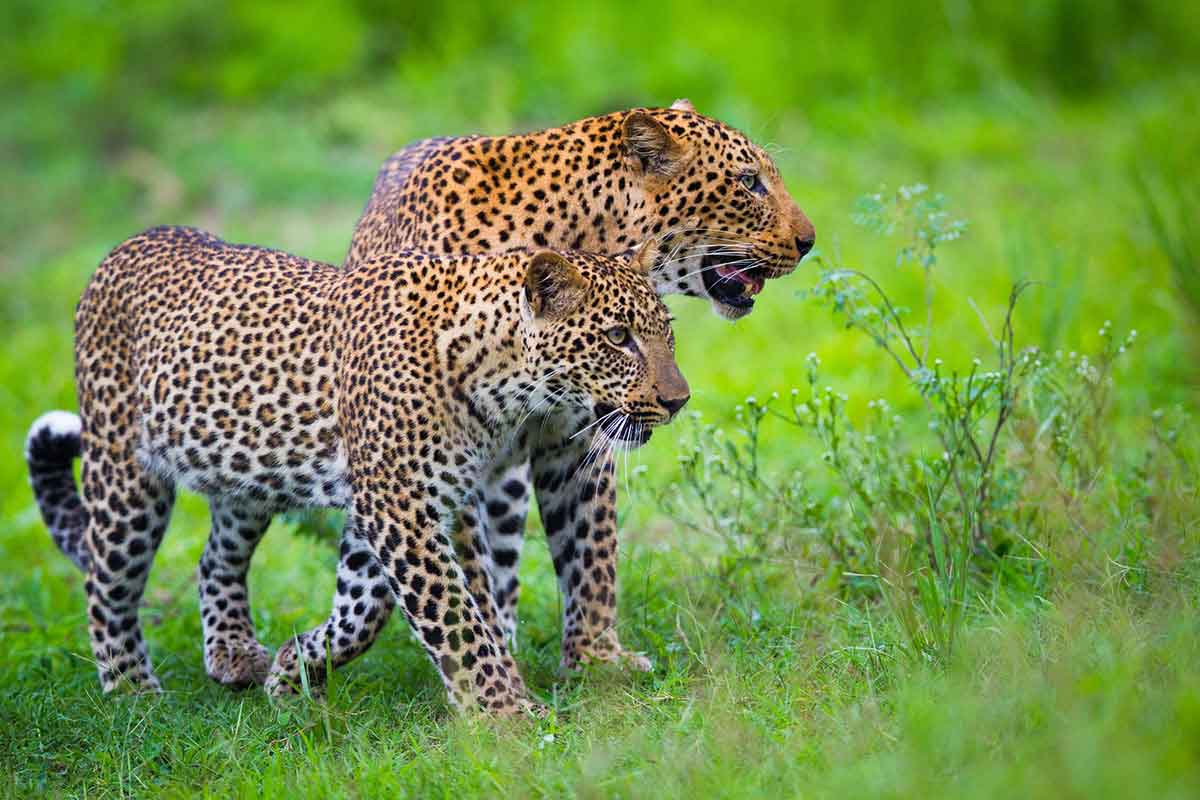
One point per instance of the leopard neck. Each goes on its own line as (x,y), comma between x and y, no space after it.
(602,207)
(489,345)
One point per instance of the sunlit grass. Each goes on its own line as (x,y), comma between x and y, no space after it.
(1075,671)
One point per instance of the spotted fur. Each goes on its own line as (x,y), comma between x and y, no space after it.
(390,389)
(670,176)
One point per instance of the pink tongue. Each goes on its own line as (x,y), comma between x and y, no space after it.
(753,286)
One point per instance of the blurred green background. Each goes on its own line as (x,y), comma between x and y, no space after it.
(1064,131)
(265,123)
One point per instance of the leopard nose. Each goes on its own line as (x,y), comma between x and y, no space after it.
(805,244)
(673,404)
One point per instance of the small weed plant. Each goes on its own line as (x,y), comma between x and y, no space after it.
(919,510)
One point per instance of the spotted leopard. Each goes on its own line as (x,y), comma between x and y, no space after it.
(721,224)
(389,389)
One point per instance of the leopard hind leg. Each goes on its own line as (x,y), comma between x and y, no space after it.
(233,655)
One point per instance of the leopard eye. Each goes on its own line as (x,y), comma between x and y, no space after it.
(752,182)
(618,335)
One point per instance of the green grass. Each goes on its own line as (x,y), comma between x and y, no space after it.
(1074,673)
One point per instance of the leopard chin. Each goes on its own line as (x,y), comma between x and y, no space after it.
(628,435)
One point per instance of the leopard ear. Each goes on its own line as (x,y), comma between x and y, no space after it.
(683,104)
(553,286)
(642,259)
(649,143)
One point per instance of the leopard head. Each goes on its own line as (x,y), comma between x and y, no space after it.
(715,205)
(600,339)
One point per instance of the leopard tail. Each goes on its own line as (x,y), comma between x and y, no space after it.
(53,444)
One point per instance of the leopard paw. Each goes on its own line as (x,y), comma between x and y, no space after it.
(238,663)
(603,652)
(284,677)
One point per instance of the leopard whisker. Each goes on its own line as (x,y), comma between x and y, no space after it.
(529,407)
(604,458)
(593,423)
(607,442)
(593,445)
(706,252)
(754,262)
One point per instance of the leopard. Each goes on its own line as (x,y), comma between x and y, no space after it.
(720,223)
(389,389)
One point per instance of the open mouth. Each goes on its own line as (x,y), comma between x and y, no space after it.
(729,281)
